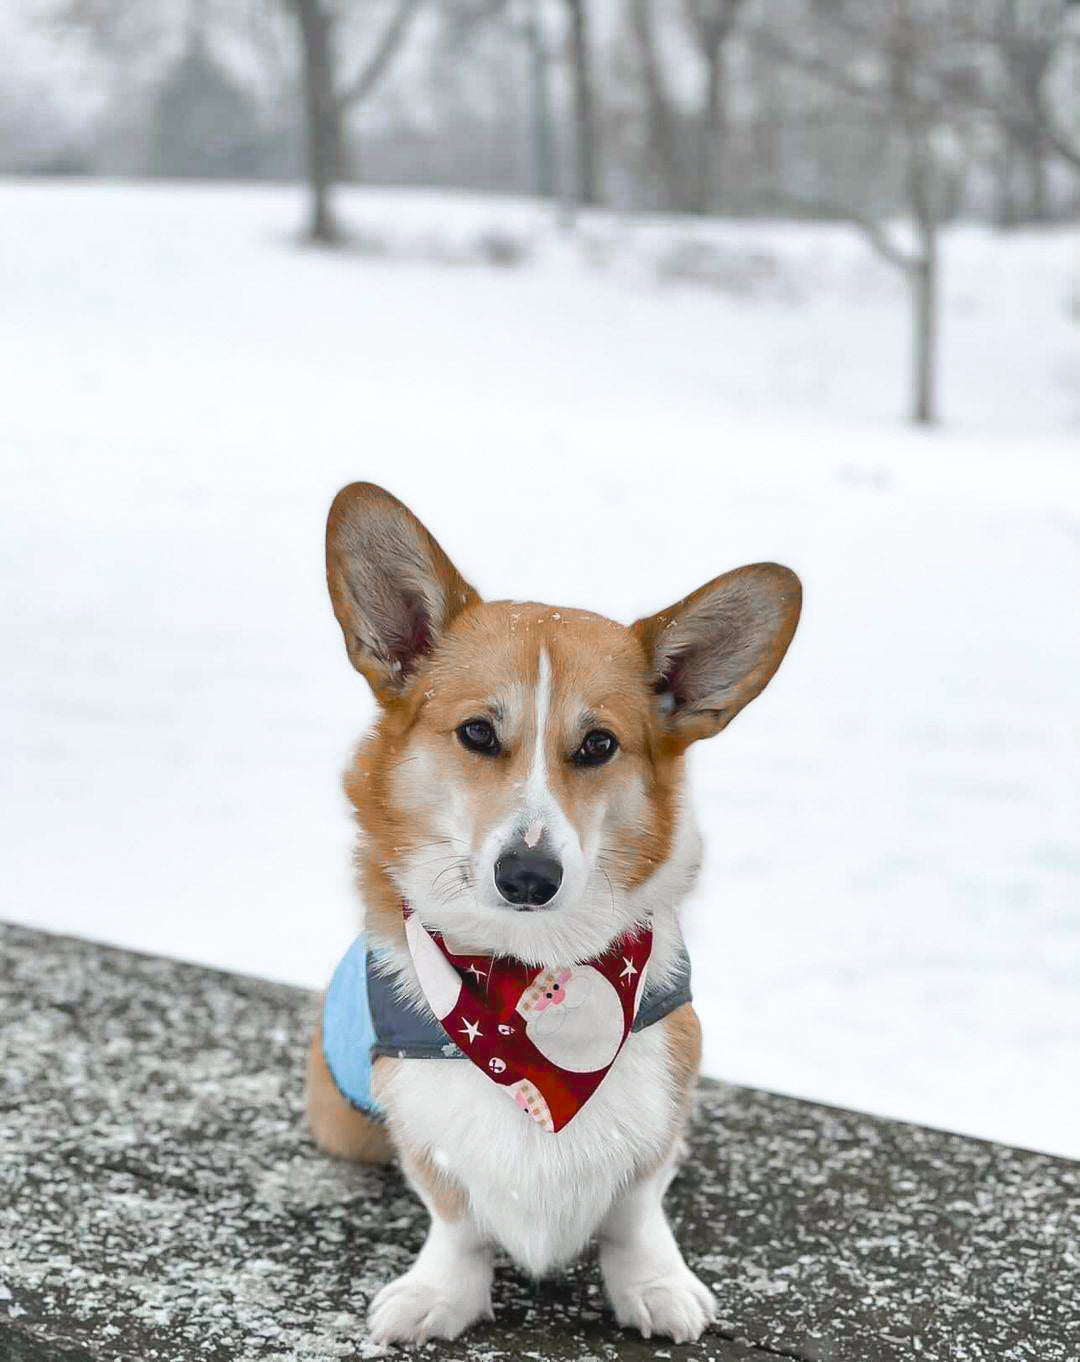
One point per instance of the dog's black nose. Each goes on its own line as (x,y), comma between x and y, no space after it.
(527,879)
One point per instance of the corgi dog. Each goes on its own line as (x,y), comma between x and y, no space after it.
(525,842)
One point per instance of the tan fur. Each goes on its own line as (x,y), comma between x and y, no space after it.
(336,1125)
(444,1194)
(682,1035)
(682,1031)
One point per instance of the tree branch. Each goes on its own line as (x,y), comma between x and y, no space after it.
(372,71)
(817,67)
(1025,124)
(950,95)
(874,232)
(713,24)
(1054,135)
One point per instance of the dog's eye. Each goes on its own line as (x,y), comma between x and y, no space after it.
(479,736)
(597,746)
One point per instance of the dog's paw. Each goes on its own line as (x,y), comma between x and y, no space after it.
(414,1308)
(673,1304)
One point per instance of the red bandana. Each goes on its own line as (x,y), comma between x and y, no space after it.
(546,1036)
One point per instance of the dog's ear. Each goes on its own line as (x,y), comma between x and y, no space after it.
(393,588)
(712,652)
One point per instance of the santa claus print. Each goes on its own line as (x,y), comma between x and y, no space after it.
(531,1101)
(574,1017)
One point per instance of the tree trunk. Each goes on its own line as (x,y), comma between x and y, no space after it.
(713,128)
(714,26)
(766,116)
(542,138)
(1037,207)
(905,50)
(322,123)
(661,119)
(586,170)
(1007,214)
(924,288)
(924,374)
(1006,209)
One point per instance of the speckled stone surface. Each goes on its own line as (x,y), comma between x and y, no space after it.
(159,1200)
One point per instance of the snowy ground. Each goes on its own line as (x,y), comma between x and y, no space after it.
(890,914)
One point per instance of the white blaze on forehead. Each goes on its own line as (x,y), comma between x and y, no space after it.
(538,773)
(534,817)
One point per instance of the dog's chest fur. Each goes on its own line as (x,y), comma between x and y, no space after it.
(540,1195)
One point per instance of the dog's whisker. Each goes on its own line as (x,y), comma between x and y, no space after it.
(456,869)
(611,889)
(438,860)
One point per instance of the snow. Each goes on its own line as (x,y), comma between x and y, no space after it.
(889,916)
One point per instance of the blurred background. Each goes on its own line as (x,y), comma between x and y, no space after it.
(616,294)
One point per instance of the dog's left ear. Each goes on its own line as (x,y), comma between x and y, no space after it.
(714,651)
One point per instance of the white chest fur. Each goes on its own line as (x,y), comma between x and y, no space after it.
(539,1195)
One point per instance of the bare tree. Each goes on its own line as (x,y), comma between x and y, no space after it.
(661,117)
(897,60)
(1026,42)
(329,98)
(143,36)
(543,138)
(688,147)
(1022,41)
(322,120)
(906,51)
(586,141)
(711,24)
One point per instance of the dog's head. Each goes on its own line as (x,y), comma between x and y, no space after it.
(522,787)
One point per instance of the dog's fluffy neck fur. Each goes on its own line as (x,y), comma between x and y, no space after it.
(656,902)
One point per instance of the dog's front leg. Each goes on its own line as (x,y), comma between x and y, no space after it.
(449,1286)
(647,1282)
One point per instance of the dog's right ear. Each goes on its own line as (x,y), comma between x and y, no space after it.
(393,588)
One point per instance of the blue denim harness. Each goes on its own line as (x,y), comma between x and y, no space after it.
(363,1018)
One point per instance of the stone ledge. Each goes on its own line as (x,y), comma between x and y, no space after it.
(160,1202)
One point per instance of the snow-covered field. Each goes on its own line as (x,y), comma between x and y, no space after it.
(890,913)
